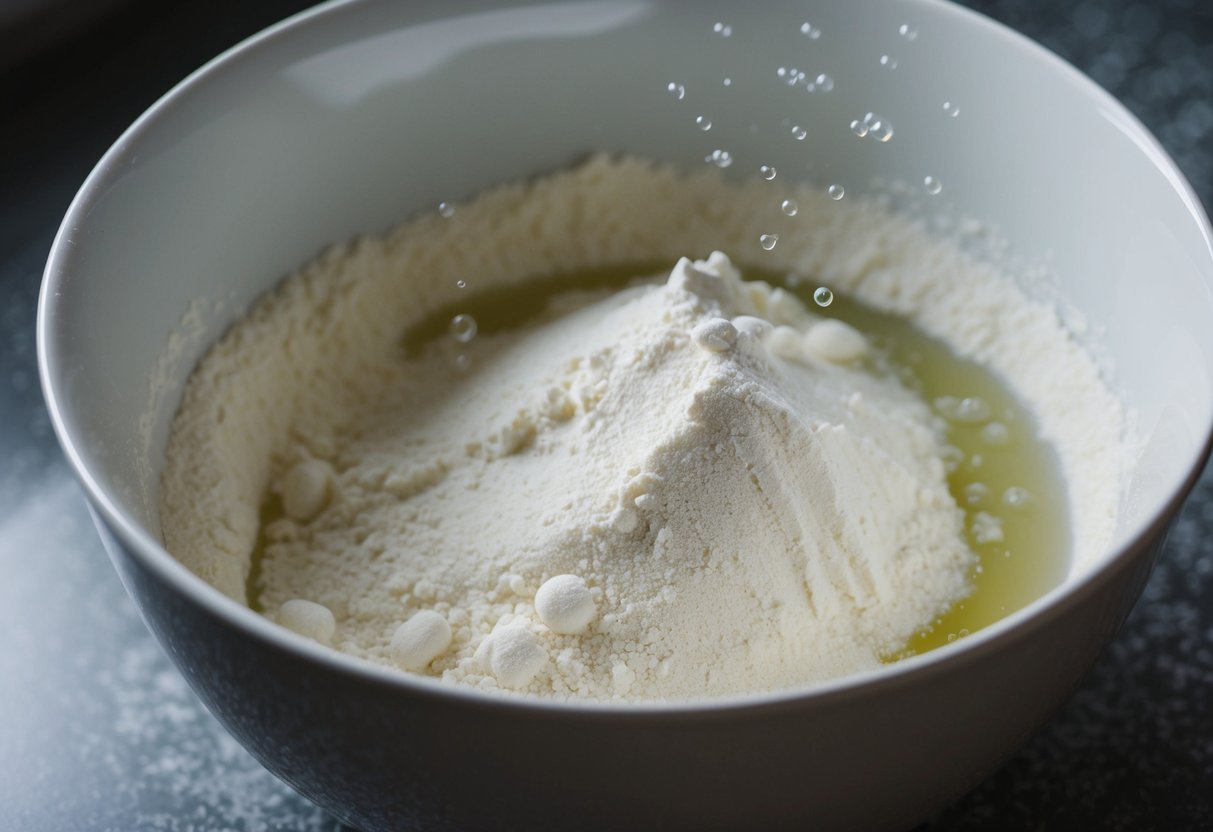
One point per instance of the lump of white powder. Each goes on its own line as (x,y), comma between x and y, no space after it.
(662,493)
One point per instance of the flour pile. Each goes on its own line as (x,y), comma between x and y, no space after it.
(682,489)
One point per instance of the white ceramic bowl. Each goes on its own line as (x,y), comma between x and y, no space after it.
(355,115)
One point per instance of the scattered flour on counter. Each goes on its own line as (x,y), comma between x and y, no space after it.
(729,503)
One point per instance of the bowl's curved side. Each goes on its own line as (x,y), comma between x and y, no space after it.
(236,142)
(879,758)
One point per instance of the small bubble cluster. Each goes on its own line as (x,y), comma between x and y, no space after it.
(976,493)
(723,29)
(874,126)
(810,31)
(719,158)
(888,62)
(907,31)
(970,410)
(822,83)
(790,75)
(463,328)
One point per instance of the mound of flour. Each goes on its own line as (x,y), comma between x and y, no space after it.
(730,503)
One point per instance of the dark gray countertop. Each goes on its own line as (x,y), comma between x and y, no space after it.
(99,732)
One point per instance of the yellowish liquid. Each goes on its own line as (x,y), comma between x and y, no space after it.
(1030,558)
(1033,555)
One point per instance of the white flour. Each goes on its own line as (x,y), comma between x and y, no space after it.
(731,506)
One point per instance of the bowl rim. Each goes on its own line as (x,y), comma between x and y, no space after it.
(154,557)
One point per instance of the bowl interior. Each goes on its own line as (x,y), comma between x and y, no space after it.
(367,112)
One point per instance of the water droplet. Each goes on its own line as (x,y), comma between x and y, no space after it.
(723,29)
(463,328)
(907,31)
(704,123)
(932,185)
(768,241)
(719,158)
(677,90)
(1016,497)
(446,210)
(822,83)
(822,296)
(789,207)
(810,31)
(463,363)
(461,284)
(766,172)
(728,82)
(888,62)
(799,133)
(872,125)
(951,109)
(836,192)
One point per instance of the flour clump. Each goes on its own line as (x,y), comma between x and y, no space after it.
(693,486)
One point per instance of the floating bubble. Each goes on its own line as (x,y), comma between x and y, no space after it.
(719,158)
(768,241)
(703,122)
(953,110)
(1016,497)
(676,90)
(463,328)
(446,210)
(822,83)
(728,82)
(888,62)
(822,296)
(723,29)
(810,31)
(799,133)
(872,125)
(461,284)
(767,172)
(789,207)
(836,192)
(932,185)
(907,31)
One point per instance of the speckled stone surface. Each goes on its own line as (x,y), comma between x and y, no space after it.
(100,733)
